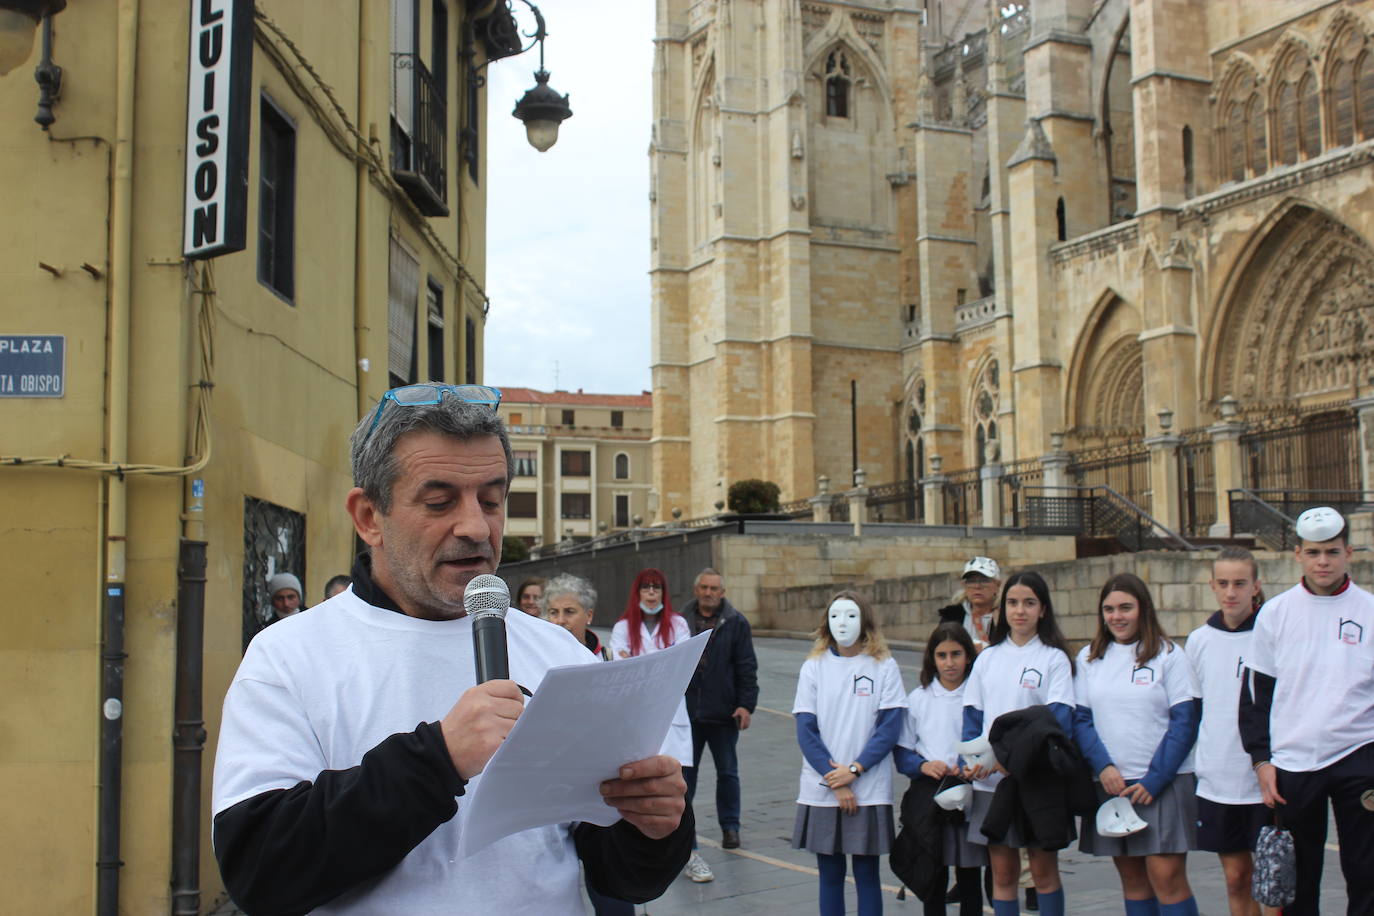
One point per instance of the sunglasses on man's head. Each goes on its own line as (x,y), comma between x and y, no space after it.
(424,395)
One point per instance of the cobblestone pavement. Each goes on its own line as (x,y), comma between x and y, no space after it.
(768,876)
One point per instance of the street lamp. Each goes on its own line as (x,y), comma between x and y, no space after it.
(18,22)
(541,108)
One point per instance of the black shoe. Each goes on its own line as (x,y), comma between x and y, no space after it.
(1032,900)
(729,839)
(952,895)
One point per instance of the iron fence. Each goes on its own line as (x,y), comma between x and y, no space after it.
(899,501)
(1269,515)
(1197,492)
(1016,477)
(1317,451)
(1098,512)
(963,495)
(1125,468)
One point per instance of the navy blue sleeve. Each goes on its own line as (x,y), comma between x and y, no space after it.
(1178,740)
(812,747)
(973,722)
(1089,742)
(1063,714)
(1256,700)
(908,761)
(886,731)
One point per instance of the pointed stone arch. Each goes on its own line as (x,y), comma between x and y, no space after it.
(983,414)
(703,157)
(1295,323)
(1105,395)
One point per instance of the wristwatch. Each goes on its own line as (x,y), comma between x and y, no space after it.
(854,768)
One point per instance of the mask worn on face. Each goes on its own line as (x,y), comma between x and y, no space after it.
(844,622)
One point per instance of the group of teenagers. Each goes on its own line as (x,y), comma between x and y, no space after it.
(1156,749)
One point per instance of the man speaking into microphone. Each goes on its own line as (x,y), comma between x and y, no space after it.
(350,734)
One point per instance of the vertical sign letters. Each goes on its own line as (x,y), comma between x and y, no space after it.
(218,110)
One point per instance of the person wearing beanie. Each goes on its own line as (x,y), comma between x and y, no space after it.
(284,589)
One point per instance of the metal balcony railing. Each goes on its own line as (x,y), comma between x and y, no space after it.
(1100,512)
(419,159)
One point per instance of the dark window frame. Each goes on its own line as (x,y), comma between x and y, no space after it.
(568,467)
(564,512)
(277,200)
(434,328)
(515,504)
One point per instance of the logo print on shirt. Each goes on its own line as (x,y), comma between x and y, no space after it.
(1030,678)
(1143,676)
(1240,666)
(863,685)
(1351,633)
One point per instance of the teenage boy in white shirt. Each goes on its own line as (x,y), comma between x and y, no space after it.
(1307,711)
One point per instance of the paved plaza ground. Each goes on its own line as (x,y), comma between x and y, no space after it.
(768,876)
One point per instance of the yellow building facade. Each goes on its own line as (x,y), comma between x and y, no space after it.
(204,400)
(1050,243)
(581,464)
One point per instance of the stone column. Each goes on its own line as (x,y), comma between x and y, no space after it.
(1228,469)
(820,503)
(934,487)
(858,501)
(1056,463)
(1364,407)
(1164,479)
(990,477)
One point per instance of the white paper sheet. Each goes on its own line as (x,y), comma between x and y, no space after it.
(582,724)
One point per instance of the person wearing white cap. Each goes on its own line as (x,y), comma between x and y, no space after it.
(926,750)
(285,591)
(1136,723)
(1230,809)
(981,578)
(1307,711)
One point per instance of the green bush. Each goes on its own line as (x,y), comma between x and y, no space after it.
(753,496)
(514,549)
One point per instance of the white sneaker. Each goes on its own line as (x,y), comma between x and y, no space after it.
(698,870)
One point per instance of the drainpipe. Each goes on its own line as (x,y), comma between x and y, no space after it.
(188,737)
(117,449)
(361,363)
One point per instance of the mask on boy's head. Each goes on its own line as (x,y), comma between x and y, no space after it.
(844,622)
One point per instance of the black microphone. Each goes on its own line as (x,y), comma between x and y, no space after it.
(486,600)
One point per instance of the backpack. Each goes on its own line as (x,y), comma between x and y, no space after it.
(1275,881)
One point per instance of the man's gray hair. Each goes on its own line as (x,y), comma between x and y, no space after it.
(567,584)
(708,571)
(375,468)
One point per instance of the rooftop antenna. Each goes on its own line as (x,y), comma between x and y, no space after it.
(555,375)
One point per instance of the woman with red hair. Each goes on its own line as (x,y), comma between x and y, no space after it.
(648,625)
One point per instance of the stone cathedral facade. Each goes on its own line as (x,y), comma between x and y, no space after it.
(922,237)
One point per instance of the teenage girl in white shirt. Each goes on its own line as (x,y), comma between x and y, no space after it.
(1230,806)
(849,709)
(1139,744)
(1025,664)
(934,720)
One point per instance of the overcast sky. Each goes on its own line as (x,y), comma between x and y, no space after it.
(568,230)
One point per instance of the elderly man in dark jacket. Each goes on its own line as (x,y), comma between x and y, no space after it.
(722,695)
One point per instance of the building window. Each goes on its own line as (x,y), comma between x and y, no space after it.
(277,202)
(522,505)
(1244,140)
(273,542)
(622,510)
(569,418)
(617,419)
(1258,141)
(526,464)
(837,85)
(576,464)
(469,351)
(1187,161)
(622,466)
(1061,220)
(577,505)
(434,306)
(403,302)
(516,419)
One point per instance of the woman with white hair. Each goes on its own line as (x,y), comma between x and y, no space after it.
(570,602)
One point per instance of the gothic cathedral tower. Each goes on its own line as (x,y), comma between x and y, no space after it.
(779,283)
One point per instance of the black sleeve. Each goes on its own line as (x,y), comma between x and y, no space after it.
(1256,700)
(288,851)
(952,613)
(746,668)
(624,864)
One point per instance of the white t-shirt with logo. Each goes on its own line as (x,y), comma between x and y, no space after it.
(1223,768)
(1130,701)
(934,722)
(317,691)
(845,695)
(678,744)
(1320,651)
(1007,677)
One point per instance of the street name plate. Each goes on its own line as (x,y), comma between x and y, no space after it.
(33,365)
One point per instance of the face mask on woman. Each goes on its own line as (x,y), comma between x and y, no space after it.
(845,624)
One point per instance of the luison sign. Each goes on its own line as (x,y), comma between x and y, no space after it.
(218,110)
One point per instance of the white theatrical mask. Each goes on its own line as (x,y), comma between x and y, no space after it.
(845,623)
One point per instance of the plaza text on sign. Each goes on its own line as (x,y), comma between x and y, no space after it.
(218,111)
(32,365)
